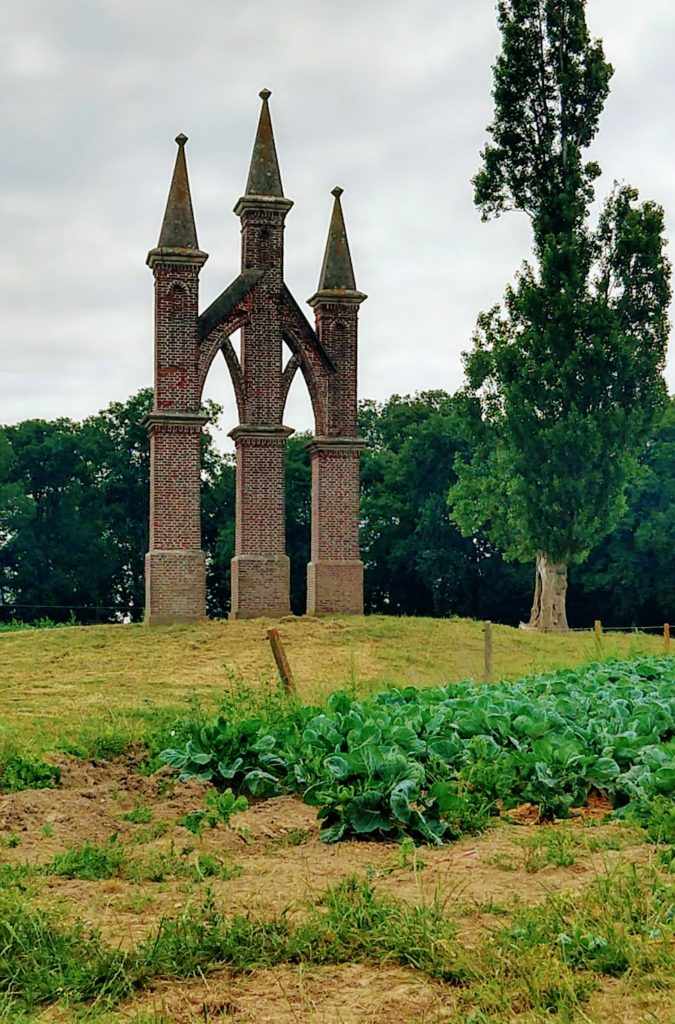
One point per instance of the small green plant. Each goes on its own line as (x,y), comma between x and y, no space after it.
(19,772)
(162,865)
(102,741)
(546,846)
(409,858)
(207,866)
(47,830)
(218,809)
(296,837)
(154,831)
(140,815)
(11,841)
(14,875)
(90,862)
(503,861)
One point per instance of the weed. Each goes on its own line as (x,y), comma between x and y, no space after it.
(102,740)
(140,815)
(218,809)
(548,958)
(154,831)
(296,837)
(503,861)
(14,876)
(11,841)
(409,857)
(548,846)
(18,772)
(137,903)
(47,830)
(208,866)
(41,962)
(89,862)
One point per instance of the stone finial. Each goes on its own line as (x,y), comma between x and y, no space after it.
(264,176)
(337,272)
(178,227)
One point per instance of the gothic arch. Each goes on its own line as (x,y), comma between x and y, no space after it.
(186,343)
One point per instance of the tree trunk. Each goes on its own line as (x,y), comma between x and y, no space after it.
(550,590)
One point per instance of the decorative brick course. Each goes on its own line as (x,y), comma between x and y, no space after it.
(259,303)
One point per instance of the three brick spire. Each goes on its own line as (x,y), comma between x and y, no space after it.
(264,179)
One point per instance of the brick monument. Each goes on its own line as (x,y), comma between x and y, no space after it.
(186,342)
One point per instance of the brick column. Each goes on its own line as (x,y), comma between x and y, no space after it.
(260,567)
(175,588)
(335,573)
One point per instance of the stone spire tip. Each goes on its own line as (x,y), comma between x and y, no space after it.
(264,177)
(337,272)
(178,227)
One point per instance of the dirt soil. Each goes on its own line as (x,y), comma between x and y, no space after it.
(273,860)
(273,851)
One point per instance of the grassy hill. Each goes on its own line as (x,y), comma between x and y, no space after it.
(56,682)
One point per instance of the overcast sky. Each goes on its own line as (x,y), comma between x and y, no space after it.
(387,98)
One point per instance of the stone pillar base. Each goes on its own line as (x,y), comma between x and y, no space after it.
(335,588)
(260,586)
(175,587)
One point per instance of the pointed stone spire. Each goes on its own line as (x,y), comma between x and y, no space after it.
(263,188)
(178,236)
(264,176)
(178,228)
(337,270)
(337,273)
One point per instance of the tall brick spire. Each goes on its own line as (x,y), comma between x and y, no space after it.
(264,176)
(178,227)
(337,272)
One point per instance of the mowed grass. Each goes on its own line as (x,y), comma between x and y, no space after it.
(58,682)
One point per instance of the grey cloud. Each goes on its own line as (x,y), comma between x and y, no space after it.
(388,100)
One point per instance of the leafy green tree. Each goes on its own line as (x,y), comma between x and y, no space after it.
(629,579)
(298,517)
(115,443)
(568,372)
(416,561)
(54,556)
(74,514)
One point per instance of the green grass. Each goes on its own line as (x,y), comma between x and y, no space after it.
(18,772)
(96,689)
(98,862)
(542,960)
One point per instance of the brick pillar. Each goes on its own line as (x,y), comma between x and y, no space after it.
(260,567)
(335,573)
(175,587)
(175,584)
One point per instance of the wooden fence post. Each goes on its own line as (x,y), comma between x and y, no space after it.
(487,653)
(597,626)
(666,636)
(283,665)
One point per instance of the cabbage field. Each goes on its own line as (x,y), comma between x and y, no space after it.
(436,763)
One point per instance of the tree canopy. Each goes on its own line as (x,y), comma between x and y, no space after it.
(74,507)
(568,371)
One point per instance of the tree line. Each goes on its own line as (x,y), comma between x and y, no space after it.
(74,521)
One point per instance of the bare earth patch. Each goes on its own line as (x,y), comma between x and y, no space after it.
(272,855)
(347,994)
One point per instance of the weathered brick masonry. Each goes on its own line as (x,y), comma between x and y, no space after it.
(261,306)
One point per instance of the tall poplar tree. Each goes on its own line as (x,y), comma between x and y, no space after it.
(568,370)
